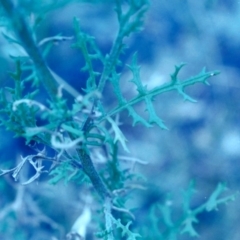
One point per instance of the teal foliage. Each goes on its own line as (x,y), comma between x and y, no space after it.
(162,215)
(77,129)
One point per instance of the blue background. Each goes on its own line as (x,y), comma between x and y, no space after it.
(203,141)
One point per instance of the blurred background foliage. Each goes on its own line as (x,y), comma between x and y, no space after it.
(203,143)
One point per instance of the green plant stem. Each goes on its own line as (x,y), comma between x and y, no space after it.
(112,58)
(91,172)
(110,62)
(157,91)
(128,24)
(23,34)
(89,169)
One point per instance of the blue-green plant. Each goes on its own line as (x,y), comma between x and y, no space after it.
(76,128)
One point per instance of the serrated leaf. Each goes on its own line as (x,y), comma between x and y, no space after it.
(215,200)
(118,134)
(174,76)
(142,90)
(153,118)
(137,118)
(188,226)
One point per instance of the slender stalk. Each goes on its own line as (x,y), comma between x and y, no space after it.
(95,178)
(24,35)
(110,62)
(90,170)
